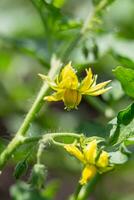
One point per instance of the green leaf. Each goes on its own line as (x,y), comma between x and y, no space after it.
(123,126)
(118,157)
(126,77)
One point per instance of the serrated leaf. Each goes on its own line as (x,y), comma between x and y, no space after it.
(123,126)
(126,77)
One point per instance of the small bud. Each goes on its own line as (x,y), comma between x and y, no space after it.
(38,176)
(20,169)
(85,51)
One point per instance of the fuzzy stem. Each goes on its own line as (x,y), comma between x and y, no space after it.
(17,140)
(50,136)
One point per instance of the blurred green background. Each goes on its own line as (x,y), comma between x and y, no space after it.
(28,38)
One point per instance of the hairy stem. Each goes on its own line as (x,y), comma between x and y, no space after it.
(19,140)
(49,136)
(16,141)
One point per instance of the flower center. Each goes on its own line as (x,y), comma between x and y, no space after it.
(71,98)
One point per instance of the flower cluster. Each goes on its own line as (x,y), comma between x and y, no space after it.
(94,160)
(70,90)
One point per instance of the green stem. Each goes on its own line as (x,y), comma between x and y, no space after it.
(17,140)
(49,136)
(87,189)
(76,193)
(38,102)
(40,152)
(32,139)
(54,135)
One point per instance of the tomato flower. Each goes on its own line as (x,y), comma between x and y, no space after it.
(88,155)
(70,90)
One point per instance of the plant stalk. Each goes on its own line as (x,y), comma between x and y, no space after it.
(17,140)
(86,190)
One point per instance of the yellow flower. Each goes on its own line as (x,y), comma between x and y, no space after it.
(87,155)
(70,90)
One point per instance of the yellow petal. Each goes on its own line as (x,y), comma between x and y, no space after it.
(99,92)
(88,172)
(103,160)
(87,81)
(57,96)
(68,78)
(90,152)
(74,151)
(94,80)
(98,87)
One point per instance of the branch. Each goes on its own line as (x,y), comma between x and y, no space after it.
(20,135)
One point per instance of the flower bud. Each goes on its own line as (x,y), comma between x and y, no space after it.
(20,169)
(38,176)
